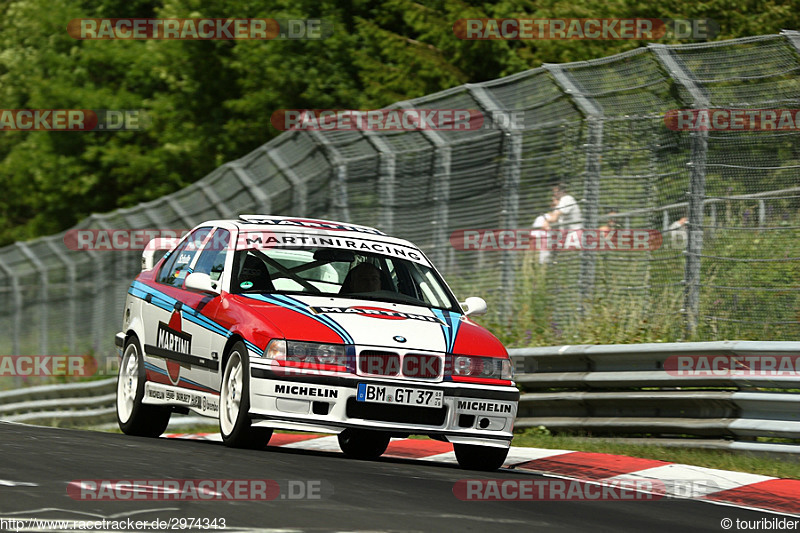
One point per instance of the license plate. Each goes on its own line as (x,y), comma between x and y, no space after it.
(399,395)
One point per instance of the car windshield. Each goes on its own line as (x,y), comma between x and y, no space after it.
(322,271)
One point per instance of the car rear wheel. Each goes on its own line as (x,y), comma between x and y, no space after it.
(134,417)
(234,404)
(363,444)
(484,458)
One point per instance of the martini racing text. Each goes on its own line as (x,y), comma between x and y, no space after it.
(305,239)
(377,313)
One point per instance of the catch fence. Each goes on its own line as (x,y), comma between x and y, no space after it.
(598,126)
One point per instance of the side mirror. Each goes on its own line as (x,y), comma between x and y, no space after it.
(197,281)
(474,306)
(160,243)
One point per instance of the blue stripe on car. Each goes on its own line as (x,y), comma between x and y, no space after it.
(298,306)
(157,370)
(167,303)
(451,322)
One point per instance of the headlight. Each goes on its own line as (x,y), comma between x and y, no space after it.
(311,352)
(306,353)
(468,366)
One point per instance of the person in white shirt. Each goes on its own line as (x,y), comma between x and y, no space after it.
(679,236)
(567,213)
(539,236)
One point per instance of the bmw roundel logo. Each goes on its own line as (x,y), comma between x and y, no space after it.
(399,338)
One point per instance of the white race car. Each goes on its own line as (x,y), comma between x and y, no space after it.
(272,322)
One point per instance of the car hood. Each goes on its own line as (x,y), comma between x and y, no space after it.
(372,323)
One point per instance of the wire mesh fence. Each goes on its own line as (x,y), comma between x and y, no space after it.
(726,202)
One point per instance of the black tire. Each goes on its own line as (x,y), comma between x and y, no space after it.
(134,417)
(234,422)
(363,444)
(484,458)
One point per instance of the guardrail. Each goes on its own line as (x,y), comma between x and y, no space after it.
(86,403)
(632,390)
(600,390)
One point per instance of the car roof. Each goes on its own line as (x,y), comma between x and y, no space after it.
(334,228)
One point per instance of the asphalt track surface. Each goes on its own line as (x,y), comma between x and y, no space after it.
(37,463)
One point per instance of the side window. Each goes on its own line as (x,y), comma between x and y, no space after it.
(175,268)
(212,258)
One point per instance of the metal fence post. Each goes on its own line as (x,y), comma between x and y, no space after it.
(591,192)
(441,194)
(793,36)
(697,185)
(214,199)
(101,294)
(175,206)
(259,196)
(299,189)
(43,303)
(694,246)
(512,156)
(593,114)
(16,297)
(71,280)
(339,182)
(386,180)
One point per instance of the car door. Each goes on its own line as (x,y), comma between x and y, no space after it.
(209,337)
(175,342)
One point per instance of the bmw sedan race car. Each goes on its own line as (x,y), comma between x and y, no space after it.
(271,322)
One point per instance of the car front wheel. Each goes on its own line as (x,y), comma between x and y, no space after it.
(234,404)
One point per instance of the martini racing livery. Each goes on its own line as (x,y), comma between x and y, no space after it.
(272,322)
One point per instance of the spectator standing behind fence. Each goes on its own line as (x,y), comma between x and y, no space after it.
(539,235)
(678,234)
(567,213)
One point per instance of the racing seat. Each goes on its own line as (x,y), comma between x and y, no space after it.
(255,271)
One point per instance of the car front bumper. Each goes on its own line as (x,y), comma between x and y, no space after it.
(470,414)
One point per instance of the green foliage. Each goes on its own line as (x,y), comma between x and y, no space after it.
(773,298)
(611,317)
(210,101)
(538,431)
(749,291)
